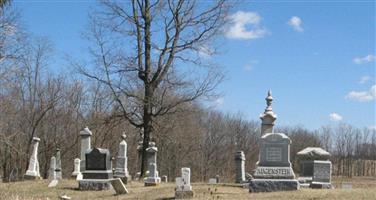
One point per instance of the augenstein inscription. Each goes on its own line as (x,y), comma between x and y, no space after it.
(273,171)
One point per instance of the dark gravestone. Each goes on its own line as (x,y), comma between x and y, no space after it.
(98,164)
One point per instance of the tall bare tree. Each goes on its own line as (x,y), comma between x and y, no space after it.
(148,54)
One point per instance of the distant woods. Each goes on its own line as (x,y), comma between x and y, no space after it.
(36,101)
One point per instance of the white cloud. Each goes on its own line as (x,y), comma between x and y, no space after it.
(219,102)
(335,117)
(365,79)
(238,26)
(362,96)
(364,60)
(372,127)
(296,23)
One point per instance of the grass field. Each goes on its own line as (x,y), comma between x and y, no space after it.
(363,188)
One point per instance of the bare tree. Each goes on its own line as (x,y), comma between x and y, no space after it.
(142,51)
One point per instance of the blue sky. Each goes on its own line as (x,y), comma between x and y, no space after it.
(318,58)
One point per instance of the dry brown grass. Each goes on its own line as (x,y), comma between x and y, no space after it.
(363,188)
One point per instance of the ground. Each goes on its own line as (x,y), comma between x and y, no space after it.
(363,188)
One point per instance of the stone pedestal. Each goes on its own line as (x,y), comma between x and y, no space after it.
(94,184)
(272,185)
(239,167)
(32,172)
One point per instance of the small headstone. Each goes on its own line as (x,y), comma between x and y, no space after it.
(53,183)
(346,186)
(119,186)
(32,172)
(240,167)
(64,197)
(212,181)
(76,170)
(164,179)
(183,188)
(13,176)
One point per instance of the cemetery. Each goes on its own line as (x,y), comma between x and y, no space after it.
(160,100)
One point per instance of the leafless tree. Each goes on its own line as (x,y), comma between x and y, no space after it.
(142,51)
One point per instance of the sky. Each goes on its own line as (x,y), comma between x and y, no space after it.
(318,58)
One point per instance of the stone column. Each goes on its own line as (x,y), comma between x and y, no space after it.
(268,117)
(239,167)
(152,155)
(85,145)
(51,171)
(33,169)
(76,170)
(58,165)
(121,169)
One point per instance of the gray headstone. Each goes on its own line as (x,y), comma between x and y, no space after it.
(58,169)
(121,169)
(51,171)
(85,145)
(118,186)
(239,167)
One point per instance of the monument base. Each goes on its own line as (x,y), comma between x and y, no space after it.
(184,194)
(151,181)
(94,184)
(320,185)
(272,185)
(28,177)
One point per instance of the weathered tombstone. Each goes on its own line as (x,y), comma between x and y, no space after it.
(85,146)
(273,170)
(239,167)
(13,176)
(121,170)
(64,197)
(76,170)
(183,188)
(98,170)
(58,165)
(213,181)
(119,186)
(51,171)
(164,179)
(152,179)
(32,172)
(53,183)
(315,168)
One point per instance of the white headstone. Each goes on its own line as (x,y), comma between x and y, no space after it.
(76,167)
(121,169)
(33,169)
(119,186)
(185,184)
(212,181)
(53,183)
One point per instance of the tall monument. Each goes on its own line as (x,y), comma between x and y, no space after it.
(273,169)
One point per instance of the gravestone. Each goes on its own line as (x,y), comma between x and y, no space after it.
(51,171)
(315,168)
(239,167)
(76,170)
(13,176)
(273,170)
(53,183)
(152,179)
(164,179)
(85,146)
(58,165)
(98,170)
(213,181)
(183,188)
(32,172)
(119,186)
(64,197)
(121,170)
